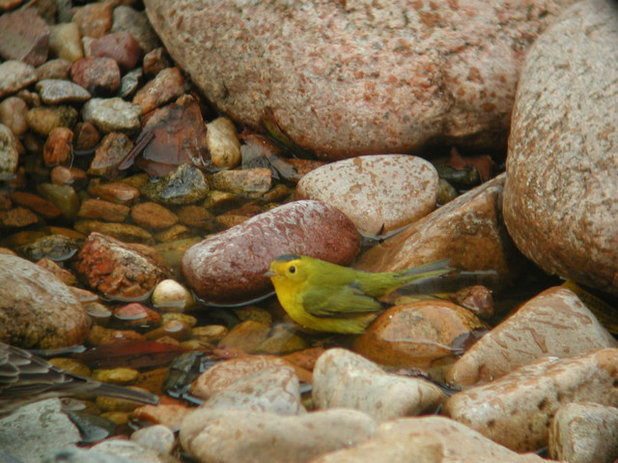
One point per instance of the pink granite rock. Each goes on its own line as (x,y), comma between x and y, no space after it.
(358,77)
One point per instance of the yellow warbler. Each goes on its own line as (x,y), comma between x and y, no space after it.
(328,297)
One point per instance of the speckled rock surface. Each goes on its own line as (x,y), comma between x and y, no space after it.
(36,308)
(428,439)
(235,436)
(118,270)
(555,322)
(399,74)
(468,231)
(343,379)
(584,433)
(560,195)
(229,267)
(516,409)
(378,193)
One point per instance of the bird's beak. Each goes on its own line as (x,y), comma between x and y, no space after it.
(269,273)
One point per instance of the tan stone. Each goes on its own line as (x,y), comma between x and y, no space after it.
(553,323)
(516,409)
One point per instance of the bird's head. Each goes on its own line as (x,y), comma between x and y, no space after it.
(288,267)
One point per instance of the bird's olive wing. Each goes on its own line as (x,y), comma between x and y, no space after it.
(339,301)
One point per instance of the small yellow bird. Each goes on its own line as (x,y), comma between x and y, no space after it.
(328,297)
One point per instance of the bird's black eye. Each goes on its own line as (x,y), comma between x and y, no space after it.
(292,269)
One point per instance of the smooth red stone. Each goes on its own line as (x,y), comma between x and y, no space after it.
(120,46)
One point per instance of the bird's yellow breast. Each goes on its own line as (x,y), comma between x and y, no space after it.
(290,293)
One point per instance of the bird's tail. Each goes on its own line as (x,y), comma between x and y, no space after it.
(433,269)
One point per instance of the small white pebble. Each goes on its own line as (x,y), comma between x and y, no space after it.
(171,296)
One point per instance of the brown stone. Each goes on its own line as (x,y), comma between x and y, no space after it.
(166,85)
(58,147)
(468,231)
(424,334)
(116,192)
(34,202)
(100,76)
(116,269)
(105,210)
(24,36)
(153,215)
(120,46)
(107,157)
(94,19)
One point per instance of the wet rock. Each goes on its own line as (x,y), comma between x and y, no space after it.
(86,136)
(399,77)
(170,415)
(554,323)
(167,85)
(57,91)
(101,209)
(57,248)
(274,389)
(64,197)
(116,192)
(120,46)
(111,114)
(584,433)
(37,430)
(100,76)
(36,308)
(108,156)
(123,451)
(246,336)
(223,144)
(24,36)
(378,193)
(116,375)
(18,217)
(179,138)
(54,69)
(155,61)
(468,231)
(153,215)
(121,231)
(62,175)
(13,112)
(221,375)
(45,119)
(244,436)
(342,379)
(157,437)
(65,41)
(170,329)
(63,274)
(135,23)
(130,82)
(58,148)
(9,155)
(426,334)
(246,181)
(185,185)
(230,266)
(94,19)
(558,204)
(135,316)
(169,295)
(431,439)
(15,75)
(516,409)
(117,270)
(282,339)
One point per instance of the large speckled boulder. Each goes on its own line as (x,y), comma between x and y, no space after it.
(358,77)
(36,308)
(561,190)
